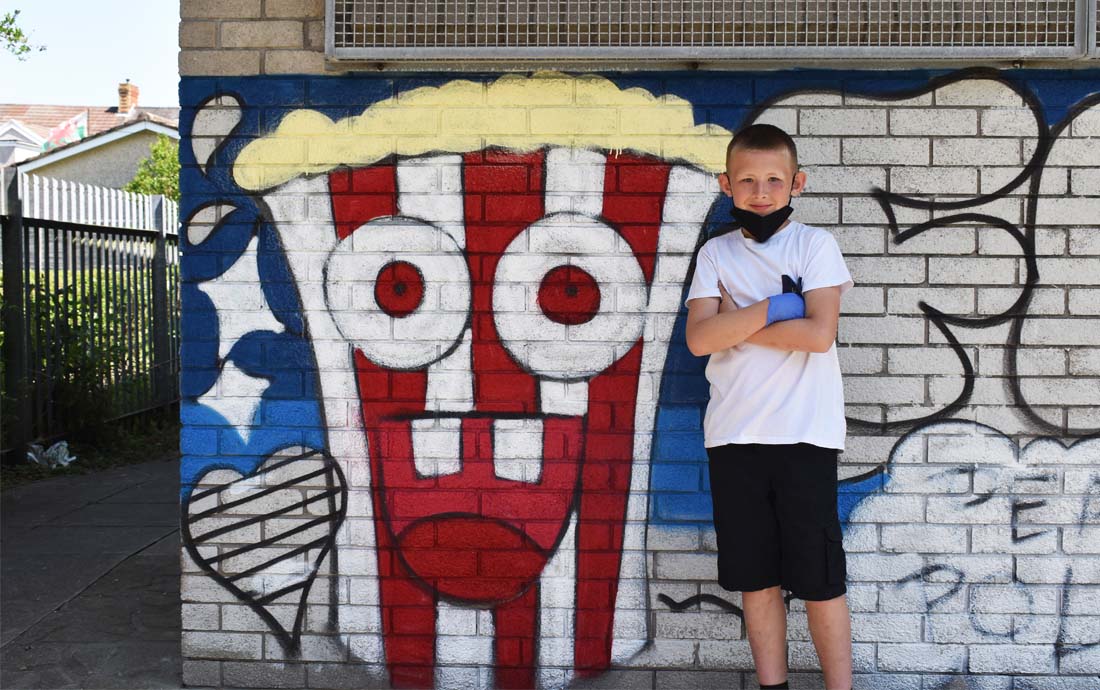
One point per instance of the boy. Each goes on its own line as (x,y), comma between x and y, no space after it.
(764,304)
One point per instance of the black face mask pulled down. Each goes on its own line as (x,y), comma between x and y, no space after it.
(761,227)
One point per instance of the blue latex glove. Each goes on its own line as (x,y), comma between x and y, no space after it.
(785,306)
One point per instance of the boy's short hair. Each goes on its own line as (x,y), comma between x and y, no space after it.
(763,137)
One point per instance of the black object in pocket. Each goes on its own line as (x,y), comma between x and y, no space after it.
(789,285)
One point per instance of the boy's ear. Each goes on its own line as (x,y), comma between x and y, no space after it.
(799,183)
(724,183)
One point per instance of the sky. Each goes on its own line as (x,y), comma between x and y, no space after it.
(91,47)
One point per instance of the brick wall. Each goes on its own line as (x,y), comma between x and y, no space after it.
(361,251)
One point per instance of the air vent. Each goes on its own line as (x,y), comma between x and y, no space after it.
(706,29)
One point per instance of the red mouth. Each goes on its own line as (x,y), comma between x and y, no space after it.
(472,533)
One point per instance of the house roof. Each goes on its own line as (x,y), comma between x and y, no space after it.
(41,118)
(143,122)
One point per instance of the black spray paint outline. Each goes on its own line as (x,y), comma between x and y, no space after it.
(1030,172)
(289,640)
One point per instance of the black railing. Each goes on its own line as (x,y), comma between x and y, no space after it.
(91,325)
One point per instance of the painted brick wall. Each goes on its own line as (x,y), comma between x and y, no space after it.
(419,451)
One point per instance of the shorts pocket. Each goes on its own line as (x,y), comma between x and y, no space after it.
(835,564)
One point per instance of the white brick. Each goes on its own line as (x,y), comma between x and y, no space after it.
(927,479)
(886,151)
(925,180)
(860,360)
(1008,123)
(921,657)
(199,617)
(861,210)
(785,119)
(842,121)
(817,150)
(725,654)
(676,566)
(971,271)
(886,627)
(221,645)
(987,92)
(864,300)
(689,625)
(1081,540)
(1068,152)
(1086,123)
(1016,658)
(1060,391)
(814,210)
(974,568)
(989,335)
(1084,301)
(887,330)
(1085,362)
(1069,271)
(994,241)
(886,270)
(1047,301)
(832,179)
(1054,180)
(884,389)
(934,121)
(1013,598)
(856,240)
(923,539)
(914,595)
(873,450)
(1029,361)
(943,390)
(999,539)
(975,151)
(869,567)
(890,508)
(924,360)
(956,239)
(953,300)
(1082,481)
(1052,569)
(1084,240)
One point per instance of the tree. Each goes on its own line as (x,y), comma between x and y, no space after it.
(12,37)
(160,172)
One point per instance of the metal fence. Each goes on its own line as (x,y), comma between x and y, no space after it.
(708,29)
(90,306)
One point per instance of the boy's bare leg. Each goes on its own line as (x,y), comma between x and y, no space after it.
(766,620)
(831,630)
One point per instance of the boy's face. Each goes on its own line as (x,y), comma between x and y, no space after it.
(761,181)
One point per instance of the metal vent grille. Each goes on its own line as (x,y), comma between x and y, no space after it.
(416,29)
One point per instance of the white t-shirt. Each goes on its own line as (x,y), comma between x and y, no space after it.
(762,394)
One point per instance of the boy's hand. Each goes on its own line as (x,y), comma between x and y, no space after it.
(727,303)
(784,307)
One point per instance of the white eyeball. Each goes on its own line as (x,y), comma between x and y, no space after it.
(399,290)
(585,297)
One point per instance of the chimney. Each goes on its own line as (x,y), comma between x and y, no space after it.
(127,97)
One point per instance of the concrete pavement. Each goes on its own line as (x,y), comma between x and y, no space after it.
(89,580)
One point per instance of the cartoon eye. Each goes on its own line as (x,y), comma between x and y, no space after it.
(399,290)
(584,297)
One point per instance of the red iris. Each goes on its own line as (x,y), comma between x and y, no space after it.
(569,295)
(399,289)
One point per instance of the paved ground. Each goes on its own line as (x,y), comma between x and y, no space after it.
(89,580)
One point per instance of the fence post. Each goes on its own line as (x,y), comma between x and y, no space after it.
(163,384)
(14,401)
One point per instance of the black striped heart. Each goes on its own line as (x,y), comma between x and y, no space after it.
(264,536)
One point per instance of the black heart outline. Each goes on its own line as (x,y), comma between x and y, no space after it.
(289,640)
